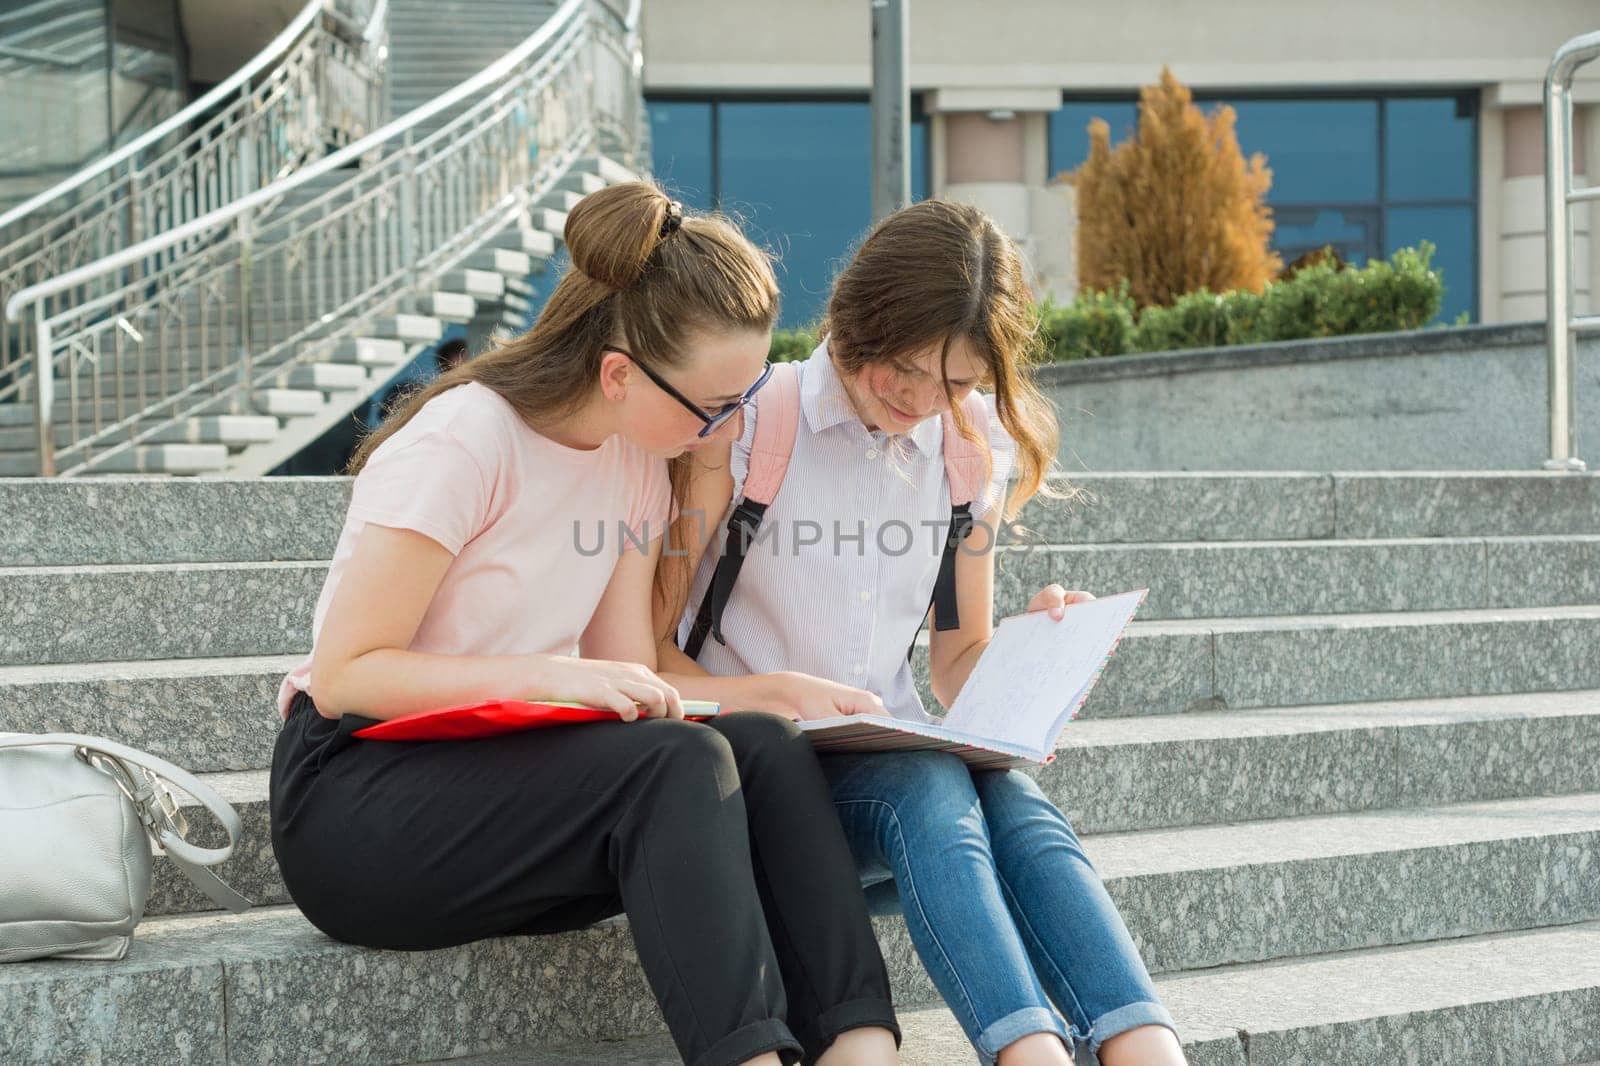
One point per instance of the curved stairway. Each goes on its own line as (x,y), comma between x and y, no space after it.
(226,344)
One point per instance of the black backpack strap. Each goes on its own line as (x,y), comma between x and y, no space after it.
(742,527)
(946,616)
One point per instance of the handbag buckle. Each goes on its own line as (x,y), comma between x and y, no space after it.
(149,793)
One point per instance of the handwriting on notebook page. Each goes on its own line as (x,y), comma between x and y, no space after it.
(1036,668)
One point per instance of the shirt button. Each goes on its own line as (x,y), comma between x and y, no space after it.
(865,595)
(858,669)
(872,453)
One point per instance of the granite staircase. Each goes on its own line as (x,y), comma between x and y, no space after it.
(1342,778)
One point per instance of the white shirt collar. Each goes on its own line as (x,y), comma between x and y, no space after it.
(826,404)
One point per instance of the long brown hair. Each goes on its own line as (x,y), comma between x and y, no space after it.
(630,274)
(931,273)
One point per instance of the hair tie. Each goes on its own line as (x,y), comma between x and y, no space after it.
(674,220)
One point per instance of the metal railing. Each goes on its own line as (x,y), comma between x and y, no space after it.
(317,85)
(1562,326)
(266,282)
(66,34)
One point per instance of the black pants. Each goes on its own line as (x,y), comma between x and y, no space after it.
(719,841)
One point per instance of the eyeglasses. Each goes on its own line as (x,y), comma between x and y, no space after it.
(714,419)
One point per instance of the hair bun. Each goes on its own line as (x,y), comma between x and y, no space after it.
(610,234)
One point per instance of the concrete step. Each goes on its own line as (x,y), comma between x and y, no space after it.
(1152,509)
(145,611)
(581,182)
(267,987)
(930,1036)
(232,403)
(289,402)
(139,390)
(455,307)
(558,199)
(532,242)
(503,261)
(206,715)
(1241,663)
(549,220)
(232,430)
(369,351)
(416,329)
(1111,775)
(1274,888)
(158,520)
(1434,1003)
(1117,774)
(69,614)
(481,285)
(1254,578)
(325,378)
(140,459)
(608,169)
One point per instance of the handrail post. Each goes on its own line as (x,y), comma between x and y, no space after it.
(409,236)
(1560,327)
(1559,338)
(44,394)
(246,298)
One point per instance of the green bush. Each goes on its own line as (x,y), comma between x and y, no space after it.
(1200,320)
(792,345)
(1404,292)
(1322,300)
(1096,323)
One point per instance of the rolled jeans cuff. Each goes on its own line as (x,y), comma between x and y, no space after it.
(1015,1026)
(1132,1016)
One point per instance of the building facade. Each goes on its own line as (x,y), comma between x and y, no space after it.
(1384,124)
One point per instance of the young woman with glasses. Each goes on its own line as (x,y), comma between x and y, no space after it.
(457,579)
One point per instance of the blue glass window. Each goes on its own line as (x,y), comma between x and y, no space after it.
(1320,151)
(1429,150)
(680,146)
(1069,129)
(799,177)
(795,173)
(1453,229)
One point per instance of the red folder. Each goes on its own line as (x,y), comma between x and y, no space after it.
(494,717)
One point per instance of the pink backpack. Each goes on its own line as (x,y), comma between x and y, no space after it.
(777,422)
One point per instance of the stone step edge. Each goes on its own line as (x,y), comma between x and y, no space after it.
(1221,1012)
(1359,1003)
(1259,842)
(1008,551)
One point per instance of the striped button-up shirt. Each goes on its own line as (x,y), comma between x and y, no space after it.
(839,578)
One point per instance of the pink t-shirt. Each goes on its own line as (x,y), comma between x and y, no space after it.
(536,527)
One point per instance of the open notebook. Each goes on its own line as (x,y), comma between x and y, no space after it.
(1029,683)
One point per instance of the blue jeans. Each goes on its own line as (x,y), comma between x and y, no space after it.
(1002,904)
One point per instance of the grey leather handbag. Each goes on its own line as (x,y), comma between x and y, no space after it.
(78,815)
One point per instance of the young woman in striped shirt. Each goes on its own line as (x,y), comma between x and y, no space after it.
(1007,913)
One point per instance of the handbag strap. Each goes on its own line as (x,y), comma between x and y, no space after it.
(143,778)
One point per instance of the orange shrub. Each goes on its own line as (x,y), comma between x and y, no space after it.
(1175,208)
